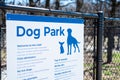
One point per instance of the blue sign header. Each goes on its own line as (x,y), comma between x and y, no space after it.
(35,18)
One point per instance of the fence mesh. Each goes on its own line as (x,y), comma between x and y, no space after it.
(89,49)
(111,62)
(111,51)
(3,54)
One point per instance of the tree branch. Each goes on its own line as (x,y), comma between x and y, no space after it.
(67,4)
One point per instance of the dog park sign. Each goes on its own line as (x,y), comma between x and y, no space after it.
(44,48)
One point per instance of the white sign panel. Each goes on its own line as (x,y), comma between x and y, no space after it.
(44,48)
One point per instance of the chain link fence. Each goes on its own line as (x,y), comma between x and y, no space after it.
(3,54)
(89,49)
(111,52)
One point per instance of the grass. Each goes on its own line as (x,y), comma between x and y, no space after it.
(116,58)
(112,70)
(107,72)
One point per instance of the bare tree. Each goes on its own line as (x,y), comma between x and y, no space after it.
(57,4)
(109,8)
(47,4)
(79,4)
(114,5)
(31,4)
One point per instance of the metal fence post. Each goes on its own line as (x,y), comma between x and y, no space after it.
(99,45)
(0,55)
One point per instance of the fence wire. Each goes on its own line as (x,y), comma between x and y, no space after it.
(111,62)
(111,51)
(3,54)
(89,49)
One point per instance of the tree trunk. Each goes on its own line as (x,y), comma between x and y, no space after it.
(31,4)
(79,4)
(111,34)
(47,5)
(57,4)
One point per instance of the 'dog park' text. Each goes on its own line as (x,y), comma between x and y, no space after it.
(36,33)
